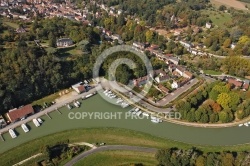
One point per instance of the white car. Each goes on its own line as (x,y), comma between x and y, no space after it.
(40,120)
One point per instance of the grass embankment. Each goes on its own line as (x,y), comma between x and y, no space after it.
(212,72)
(11,24)
(46,99)
(110,136)
(116,157)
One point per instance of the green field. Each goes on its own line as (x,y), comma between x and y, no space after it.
(94,135)
(212,72)
(69,52)
(218,19)
(114,158)
(11,24)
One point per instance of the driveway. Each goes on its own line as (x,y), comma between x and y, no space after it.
(110,147)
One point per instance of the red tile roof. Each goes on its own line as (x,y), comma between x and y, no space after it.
(188,74)
(81,88)
(163,88)
(235,82)
(21,112)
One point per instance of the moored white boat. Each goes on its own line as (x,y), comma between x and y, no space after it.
(240,125)
(154,121)
(138,113)
(69,107)
(37,124)
(76,105)
(145,114)
(25,128)
(12,133)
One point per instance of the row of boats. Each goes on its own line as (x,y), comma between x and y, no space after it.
(77,104)
(245,124)
(37,122)
(137,112)
(111,95)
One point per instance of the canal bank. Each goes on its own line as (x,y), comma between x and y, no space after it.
(61,122)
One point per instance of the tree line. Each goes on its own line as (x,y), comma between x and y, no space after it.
(193,156)
(217,102)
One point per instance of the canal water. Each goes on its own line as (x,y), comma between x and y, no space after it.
(96,112)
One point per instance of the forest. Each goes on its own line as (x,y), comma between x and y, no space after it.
(193,156)
(29,72)
(216,102)
(231,65)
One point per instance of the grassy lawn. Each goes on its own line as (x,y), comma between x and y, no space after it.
(108,135)
(113,158)
(46,99)
(217,18)
(69,52)
(11,24)
(212,72)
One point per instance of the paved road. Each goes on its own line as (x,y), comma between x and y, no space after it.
(104,84)
(170,97)
(110,147)
(150,104)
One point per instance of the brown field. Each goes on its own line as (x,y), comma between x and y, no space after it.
(230,3)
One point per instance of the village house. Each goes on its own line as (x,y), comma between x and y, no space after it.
(22,112)
(172,67)
(187,74)
(160,76)
(237,84)
(232,46)
(180,70)
(183,72)
(173,59)
(174,85)
(20,30)
(64,42)
(185,44)
(208,25)
(163,89)
(79,87)
(116,37)
(140,81)
(139,45)
(245,86)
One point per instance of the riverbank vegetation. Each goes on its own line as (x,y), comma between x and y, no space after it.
(217,102)
(177,156)
(111,136)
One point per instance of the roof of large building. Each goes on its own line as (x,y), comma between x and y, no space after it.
(81,88)
(235,82)
(64,40)
(20,112)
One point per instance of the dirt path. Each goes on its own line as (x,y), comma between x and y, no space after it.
(231,3)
